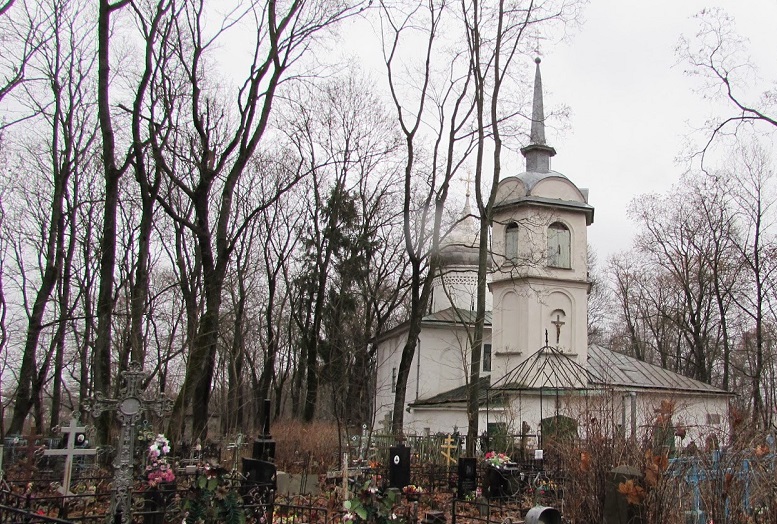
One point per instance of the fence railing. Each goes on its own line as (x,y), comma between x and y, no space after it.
(439,448)
(29,508)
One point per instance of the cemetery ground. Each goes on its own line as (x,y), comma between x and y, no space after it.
(661,479)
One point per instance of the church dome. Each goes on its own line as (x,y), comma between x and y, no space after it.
(532,178)
(461,245)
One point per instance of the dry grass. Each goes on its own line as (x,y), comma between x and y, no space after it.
(297,443)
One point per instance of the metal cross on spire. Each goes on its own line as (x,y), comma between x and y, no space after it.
(129,407)
(538,38)
(467,211)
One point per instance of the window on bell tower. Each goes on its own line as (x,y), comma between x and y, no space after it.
(511,242)
(486,358)
(559,246)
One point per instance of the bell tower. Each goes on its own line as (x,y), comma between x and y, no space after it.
(540,275)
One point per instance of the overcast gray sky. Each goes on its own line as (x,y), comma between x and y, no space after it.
(632,106)
(633,109)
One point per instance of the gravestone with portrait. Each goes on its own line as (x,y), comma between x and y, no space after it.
(399,466)
(72,450)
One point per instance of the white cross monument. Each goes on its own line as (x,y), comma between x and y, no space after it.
(70,451)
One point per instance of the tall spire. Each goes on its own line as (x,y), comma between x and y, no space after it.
(467,211)
(537,153)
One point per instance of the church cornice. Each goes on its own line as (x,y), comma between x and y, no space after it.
(447,318)
(502,276)
(547,203)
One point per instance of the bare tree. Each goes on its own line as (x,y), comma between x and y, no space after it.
(219,150)
(345,138)
(599,301)
(426,182)
(677,241)
(24,27)
(496,37)
(717,55)
(281,225)
(113,169)
(753,196)
(66,62)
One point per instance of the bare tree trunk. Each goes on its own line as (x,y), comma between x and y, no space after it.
(101,362)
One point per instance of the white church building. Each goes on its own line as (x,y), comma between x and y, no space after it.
(537,363)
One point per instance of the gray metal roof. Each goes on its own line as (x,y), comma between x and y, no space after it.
(456,395)
(608,368)
(455,315)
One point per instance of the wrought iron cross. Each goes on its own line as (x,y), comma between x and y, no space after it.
(363,443)
(129,408)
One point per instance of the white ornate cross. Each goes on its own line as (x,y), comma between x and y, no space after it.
(70,451)
(236,448)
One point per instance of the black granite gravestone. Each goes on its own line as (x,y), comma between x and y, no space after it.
(399,466)
(260,470)
(468,476)
(264,446)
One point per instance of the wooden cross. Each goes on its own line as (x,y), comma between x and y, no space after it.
(69,452)
(129,408)
(558,323)
(447,448)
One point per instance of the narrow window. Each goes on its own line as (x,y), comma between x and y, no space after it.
(393,380)
(486,357)
(511,242)
(559,248)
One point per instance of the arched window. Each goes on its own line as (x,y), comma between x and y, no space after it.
(511,242)
(559,246)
